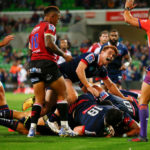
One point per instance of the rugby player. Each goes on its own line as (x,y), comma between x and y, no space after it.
(116,67)
(64,47)
(43,68)
(145,90)
(103,38)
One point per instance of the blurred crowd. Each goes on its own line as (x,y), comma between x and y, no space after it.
(32,5)
(109,4)
(17,60)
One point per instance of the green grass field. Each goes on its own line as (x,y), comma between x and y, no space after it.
(15,141)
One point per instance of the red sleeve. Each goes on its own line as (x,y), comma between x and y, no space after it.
(144,24)
(50,30)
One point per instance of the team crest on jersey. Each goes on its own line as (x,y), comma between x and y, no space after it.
(51,27)
(90,58)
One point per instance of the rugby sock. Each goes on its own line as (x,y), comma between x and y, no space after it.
(35,114)
(9,123)
(144,115)
(4,107)
(8,114)
(62,106)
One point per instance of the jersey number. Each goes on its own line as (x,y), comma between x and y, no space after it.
(94,111)
(34,41)
(128,105)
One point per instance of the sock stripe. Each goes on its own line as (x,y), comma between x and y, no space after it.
(62,102)
(143,106)
(37,104)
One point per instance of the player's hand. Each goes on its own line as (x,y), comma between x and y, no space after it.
(7,39)
(123,67)
(129,98)
(130,4)
(67,57)
(93,91)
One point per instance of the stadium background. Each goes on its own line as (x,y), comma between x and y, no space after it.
(81,22)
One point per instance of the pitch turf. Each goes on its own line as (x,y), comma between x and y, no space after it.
(15,141)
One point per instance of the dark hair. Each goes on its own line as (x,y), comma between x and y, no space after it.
(104,32)
(51,9)
(114,30)
(114,117)
(112,47)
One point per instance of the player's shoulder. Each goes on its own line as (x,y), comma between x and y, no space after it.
(96,45)
(121,45)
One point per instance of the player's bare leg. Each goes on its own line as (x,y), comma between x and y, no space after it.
(71,92)
(39,92)
(60,88)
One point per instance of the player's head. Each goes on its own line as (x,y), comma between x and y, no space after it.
(113,36)
(113,117)
(52,14)
(107,54)
(63,44)
(104,37)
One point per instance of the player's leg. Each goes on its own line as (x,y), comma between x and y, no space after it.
(143,108)
(71,92)
(50,101)
(2,95)
(59,87)
(39,92)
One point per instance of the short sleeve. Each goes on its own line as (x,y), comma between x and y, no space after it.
(88,59)
(50,30)
(144,24)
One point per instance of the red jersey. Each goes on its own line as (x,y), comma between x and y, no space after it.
(145,24)
(37,42)
(95,48)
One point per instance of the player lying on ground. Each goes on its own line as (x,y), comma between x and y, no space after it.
(23,124)
(86,103)
(87,107)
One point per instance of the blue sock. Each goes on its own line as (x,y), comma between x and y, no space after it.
(9,123)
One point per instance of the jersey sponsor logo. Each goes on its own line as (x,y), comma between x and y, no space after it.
(35,70)
(103,95)
(48,77)
(35,80)
(51,27)
(90,58)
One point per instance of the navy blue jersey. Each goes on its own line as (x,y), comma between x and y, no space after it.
(68,69)
(125,105)
(114,66)
(87,112)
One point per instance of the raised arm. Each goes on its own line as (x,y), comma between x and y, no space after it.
(6,40)
(127,14)
(52,47)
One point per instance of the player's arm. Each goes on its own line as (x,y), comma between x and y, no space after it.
(127,14)
(134,129)
(80,71)
(80,130)
(114,90)
(127,62)
(53,48)
(6,40)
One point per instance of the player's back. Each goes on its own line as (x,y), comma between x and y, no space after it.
(86,112)
(37,43)
(125,105)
